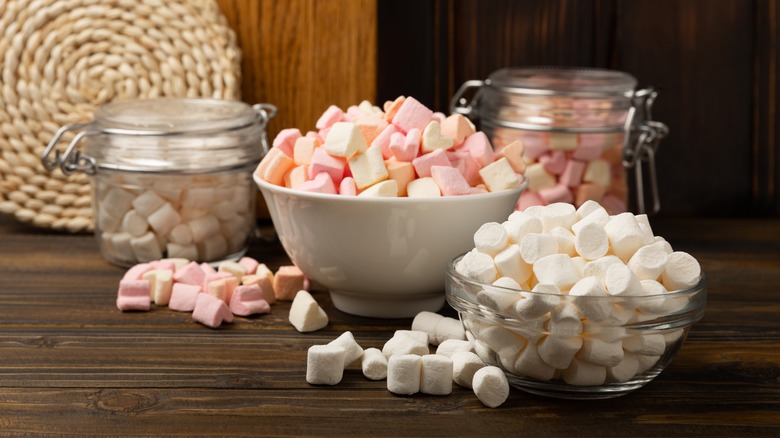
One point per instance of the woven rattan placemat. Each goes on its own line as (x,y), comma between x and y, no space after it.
(61,59)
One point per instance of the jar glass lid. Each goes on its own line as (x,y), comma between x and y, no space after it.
(570,81)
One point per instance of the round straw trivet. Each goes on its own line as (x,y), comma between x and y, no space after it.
(62,59)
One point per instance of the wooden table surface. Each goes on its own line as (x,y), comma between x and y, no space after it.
(72,364)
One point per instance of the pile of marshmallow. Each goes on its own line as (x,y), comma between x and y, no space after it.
(405,361)
(591,275)
(145,218)
(240,288)
(404,150)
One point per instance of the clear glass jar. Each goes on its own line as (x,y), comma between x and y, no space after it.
(581,129)
(172,177)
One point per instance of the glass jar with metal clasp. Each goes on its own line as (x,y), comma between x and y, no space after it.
(171,177)
(581,131)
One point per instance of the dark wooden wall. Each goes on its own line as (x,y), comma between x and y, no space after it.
(714,62)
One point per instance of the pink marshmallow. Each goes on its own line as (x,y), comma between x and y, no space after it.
(170,266)
(439,117)
(264,283)
(331,115)
(529,199)
(322,161)
(207,268)
(589,147)
(412,114)
(214,276)
(191,273)
(137,271)
(535,144)
(249,264)
(354,112)
(211,311)
(467,165)
(288,280)
(134,295)
(479,147)
(183,297)
(248,300)
(423,163)
(572,173)
(321,183)
(554,162)
(348,187)
(450,181)
(285,140)
(383,140)
(408,147)
(557,193)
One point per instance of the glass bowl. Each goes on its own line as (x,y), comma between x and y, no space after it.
(571,347)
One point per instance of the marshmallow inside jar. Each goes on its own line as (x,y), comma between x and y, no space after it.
(385,199)
(171,177)
(578,325)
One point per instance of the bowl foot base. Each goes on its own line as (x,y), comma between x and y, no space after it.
(393,307)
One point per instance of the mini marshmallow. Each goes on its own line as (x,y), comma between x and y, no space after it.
(161,284)
(402,173)
(565,321)
(572,173)
(556,194)
(221,288)
(207,269)
(368,168)
(491,238)
(565,240)
(303,150)
(423,188)
(450,181)
(324,364)
(581,373)
(682,271)
(435,374)
(323,162)
(505,343)
(457,127)
(183,297)
(288,280)
(248,300)
(645,344)
(285,140)
(249,264)
(321,183)
(478,266)
(385,139)
(331,115)
(411,114)
(134,224)
(519,224)
(419,336)
(347,187)
(530,364)
(464,365)
(137,271)
(625,235)
(620,281)
(558,352)
(500,300)
(559,214)
(432,138)
(426,322)
(183,251)
(344,140)
(499,175)
(133,295)
(424,163)
(232,268)
(599,352)
(296,177)
(556,269)
(491,386)
(451,346)
(265,284)
(449,328)
(392,107)
(374,364)
(119,200)
(384,189)
(538,177)
(213,247)
(145,248)
(591,241)
(659,304)
(211,311)
(404,344)
(625,370)
(644,362)
(164,219)
(531,306)
(203,227)
(594,309)
(405,148)
(598,267)
(535,246)
(352,350)
(404,373)
(305,314)
(509,263)
(147,203)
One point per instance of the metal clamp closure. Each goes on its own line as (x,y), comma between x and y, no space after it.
(462,105)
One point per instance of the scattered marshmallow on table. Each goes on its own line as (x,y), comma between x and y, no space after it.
(374,364)
(325,364)
(134,295)
(403,374)
(184,296)
(211,311)
(435,374)
(490,386)
(464,365)
(305,314)
(404,343)
(288,280)
(352,350)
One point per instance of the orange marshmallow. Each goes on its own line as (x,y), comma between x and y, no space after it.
(288,280)
(370,127)
(274,166)
(456,127)
(402,172)
(296,176)
(304,148)
(391,108)
(513,152)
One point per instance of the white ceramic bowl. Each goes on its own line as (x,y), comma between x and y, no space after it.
(380,257)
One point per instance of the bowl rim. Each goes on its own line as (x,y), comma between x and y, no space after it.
(397,199)
(451,272)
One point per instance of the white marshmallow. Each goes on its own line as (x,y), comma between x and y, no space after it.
(645,362)
(598,267)
(477,266)
(625,235)
(597,215)
(419,336)
(464,365)
(533,329)
(403,374)
(368,168)
(534,246)
(232,268)
(201,198)
(374,364)
(530,364)
(559,214)
(556,269)
(565,321)
(645,344)
(505,343)
(584,292)
(426,322)
(423,188)
(499,300)
(189,252)
(591,241)
(352,350)
(565,240)
(121,246)
(107,219)
(345,140)
(587,208)
(449,328)
(435,374)
(557,351)
(306,315)
(660,241)
(521,223)
(491,238)
(499,175)
(647,230)
(145,247)
(604,332)
(579,263)
(203,227)
(212,248)
(384,189)
(324,364)
(404,344)
(682,271)
(147,203)
(134,223)
(117,201)
(620,281)
(531,306)
(452,346)
(510,263)
(161,285)
(490,386)
(625,370)
(598,172)
(580,373)
(538,177)
(649,262)
(484,352)
(599,352)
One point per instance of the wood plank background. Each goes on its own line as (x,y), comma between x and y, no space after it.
(714,62)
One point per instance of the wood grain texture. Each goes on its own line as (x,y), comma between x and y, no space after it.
(304,55)
(72,364)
